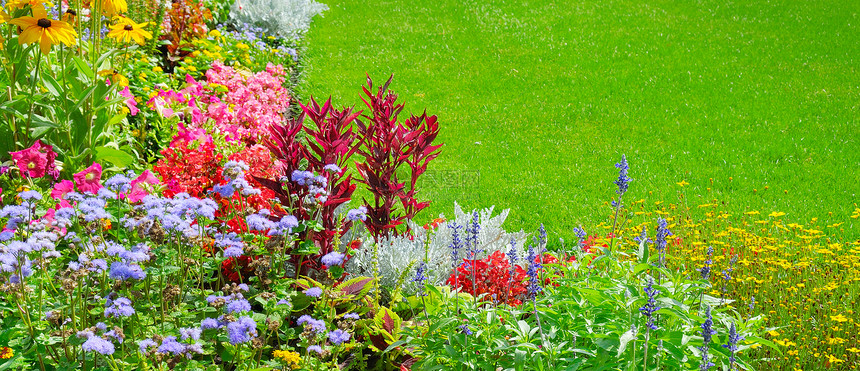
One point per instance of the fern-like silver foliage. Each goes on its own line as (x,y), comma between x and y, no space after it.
(398,253)
(285,18)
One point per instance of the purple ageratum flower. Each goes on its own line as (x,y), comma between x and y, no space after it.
(210,323)
(98,345)
(225,190)
(124,271)
(650,305)
(302,177)
(192,333)
(317,325)
(99,265)
(315,348)
(113,334)
(119,183)
(237,305)
(338,337)
(623,179)
(314,292)
(233,251)
(352,316)
(30,195)
(257,222)
(284,226)
(333,168)
(234,170)
(121,307)
(171,346)
(332,259)
(138,253)
(145,344)
(357,214)
(241,330)
(93,209)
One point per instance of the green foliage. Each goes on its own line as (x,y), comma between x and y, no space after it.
(589,319)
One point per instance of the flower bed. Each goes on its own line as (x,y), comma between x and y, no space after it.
(167,204)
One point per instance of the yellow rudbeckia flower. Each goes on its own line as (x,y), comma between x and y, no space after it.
(126,30)
(111,8)
(36,5)
(44,31)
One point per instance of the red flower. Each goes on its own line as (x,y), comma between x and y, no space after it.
(492,277)
(434,223)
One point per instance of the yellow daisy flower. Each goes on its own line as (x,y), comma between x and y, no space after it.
(44,31)
(111,8)
(126,30)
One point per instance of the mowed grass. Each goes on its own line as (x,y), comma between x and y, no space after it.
(756,104)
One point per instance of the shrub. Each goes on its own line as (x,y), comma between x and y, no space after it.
(285,18)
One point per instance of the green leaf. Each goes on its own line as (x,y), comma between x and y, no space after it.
(83,67)
(307,248)
(765,342)
(336,271)
(52,85)
(625,338)
(114,156)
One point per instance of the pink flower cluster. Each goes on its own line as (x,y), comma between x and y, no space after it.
(253,102)
(250,105)
(36,161)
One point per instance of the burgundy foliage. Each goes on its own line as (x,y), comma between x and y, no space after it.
(329,139)
(388,146)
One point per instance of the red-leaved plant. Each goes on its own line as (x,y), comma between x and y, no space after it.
(387,146)
(329,140)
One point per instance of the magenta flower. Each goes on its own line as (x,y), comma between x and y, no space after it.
(60,190)
(89,180)
(138,191)
(129,101)
(31,161)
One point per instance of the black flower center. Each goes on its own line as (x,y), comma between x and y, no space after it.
(128,27)
(72,12)
(44,23)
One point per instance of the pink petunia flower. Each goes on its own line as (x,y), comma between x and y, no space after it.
(60,190)
(138,191)
(89,180)
(31,161)
(129,101)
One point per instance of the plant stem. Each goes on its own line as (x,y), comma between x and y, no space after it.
(32,96)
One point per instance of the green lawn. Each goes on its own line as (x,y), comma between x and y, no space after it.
(537,101)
